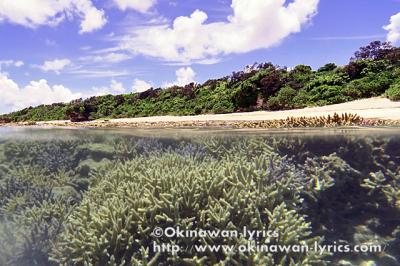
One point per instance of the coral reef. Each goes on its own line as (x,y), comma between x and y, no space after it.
(117,214)
(27,237)
(94,200)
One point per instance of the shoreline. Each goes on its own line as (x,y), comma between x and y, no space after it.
(366,112)
(334,121)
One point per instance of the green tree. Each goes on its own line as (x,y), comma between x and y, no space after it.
(393,93)
(283,100)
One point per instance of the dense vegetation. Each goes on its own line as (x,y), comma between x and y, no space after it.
(374,70)
(93,199)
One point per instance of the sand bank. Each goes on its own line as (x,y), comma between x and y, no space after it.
(372,111)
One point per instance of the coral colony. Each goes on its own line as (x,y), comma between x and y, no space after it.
(94,199)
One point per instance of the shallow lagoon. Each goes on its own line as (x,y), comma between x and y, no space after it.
(96,197)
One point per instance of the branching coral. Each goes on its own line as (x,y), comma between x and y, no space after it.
(27,237)
(116,217)
(100,205)
(386,185)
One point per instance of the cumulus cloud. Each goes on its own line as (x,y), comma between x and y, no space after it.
(393,29)
(13,97)
(139,5)
(55,65)
(93,18)
(115,87)
(140,85)
(184,76)
(255,24)
(35,13)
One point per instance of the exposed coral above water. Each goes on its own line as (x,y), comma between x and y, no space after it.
(328,121)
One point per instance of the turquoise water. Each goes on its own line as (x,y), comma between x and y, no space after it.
(97,197)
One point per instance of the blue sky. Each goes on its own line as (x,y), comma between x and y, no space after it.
(54,51)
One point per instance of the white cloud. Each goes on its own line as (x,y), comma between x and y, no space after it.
(55,65)
(139,5)
(94,19)
(393,29)
(140,85)
(35,13)
(255,24)
(13,97)
(98,73)
(8,63)
(18,63)
(184,76)
(106,58)
(117,86)
(114,88)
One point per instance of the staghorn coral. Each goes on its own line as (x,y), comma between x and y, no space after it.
(335,199)
(326,172)
(27,237)
(36,192)
(114,221)
(385,185)
(129,148)
(52,155)
(21,188)
(293,229)
(335,120)
(307,186)
(231,147)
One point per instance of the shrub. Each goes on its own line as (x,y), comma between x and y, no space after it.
(328,67)
(5,120)
(331,79)
(77,113)
(393,93)
(80,110)
(272,81)
(301,99)
(245,96)
(223,107)
(368,86)
(273,103)
(283,100)
(326,94)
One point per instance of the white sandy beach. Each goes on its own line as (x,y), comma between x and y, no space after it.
(373,108)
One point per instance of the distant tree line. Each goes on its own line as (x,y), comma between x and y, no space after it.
(374,70)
